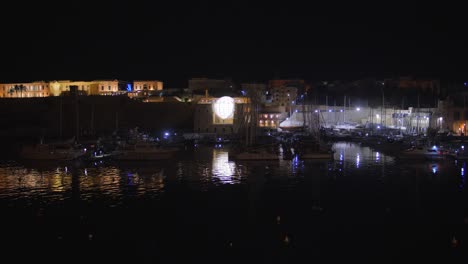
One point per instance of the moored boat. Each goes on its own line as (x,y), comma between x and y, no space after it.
(59,152)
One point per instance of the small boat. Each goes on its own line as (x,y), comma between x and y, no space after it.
(58,152)
(422,153)
(99,156)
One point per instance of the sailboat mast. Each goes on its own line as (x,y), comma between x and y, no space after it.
(344,108)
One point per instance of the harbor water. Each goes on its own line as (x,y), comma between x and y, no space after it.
(204,206)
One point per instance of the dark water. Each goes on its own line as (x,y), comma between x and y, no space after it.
(364,206)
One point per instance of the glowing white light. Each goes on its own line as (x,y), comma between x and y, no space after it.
(224,107)
(377,115)
(223,169)
(358,109)
(316,111)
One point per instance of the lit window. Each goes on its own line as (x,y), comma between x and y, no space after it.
(271,116)
(277,116)
(266,116)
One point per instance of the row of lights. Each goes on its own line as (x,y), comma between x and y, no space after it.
(271,116)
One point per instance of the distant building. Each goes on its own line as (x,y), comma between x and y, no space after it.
(299,84)
(407,82)
(152,85)
(284,93)
(56,88)
(111,87)
(206,120)
(213,87)
(454,113)
(284,96)
(31,89)
(63,86)
(270,120)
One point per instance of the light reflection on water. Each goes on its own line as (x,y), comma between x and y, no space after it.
(223,169)
(204,168)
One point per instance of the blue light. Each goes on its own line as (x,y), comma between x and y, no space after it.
(166,134)
(295,111)
(341,110)
(329,110)
(434,169)
(129,87)
(434,147)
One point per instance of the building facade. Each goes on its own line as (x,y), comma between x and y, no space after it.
(207,121)
(56,88)
(152,85)
(19,90)
(284,96)
(270,120)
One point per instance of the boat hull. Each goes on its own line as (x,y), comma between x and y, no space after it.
(144,156)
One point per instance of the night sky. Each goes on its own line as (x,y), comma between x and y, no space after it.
(177,41)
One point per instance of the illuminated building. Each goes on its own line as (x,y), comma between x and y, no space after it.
(56,88)
(110,87)
(270,120)
(221,116)
(32,89)
(152,85)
